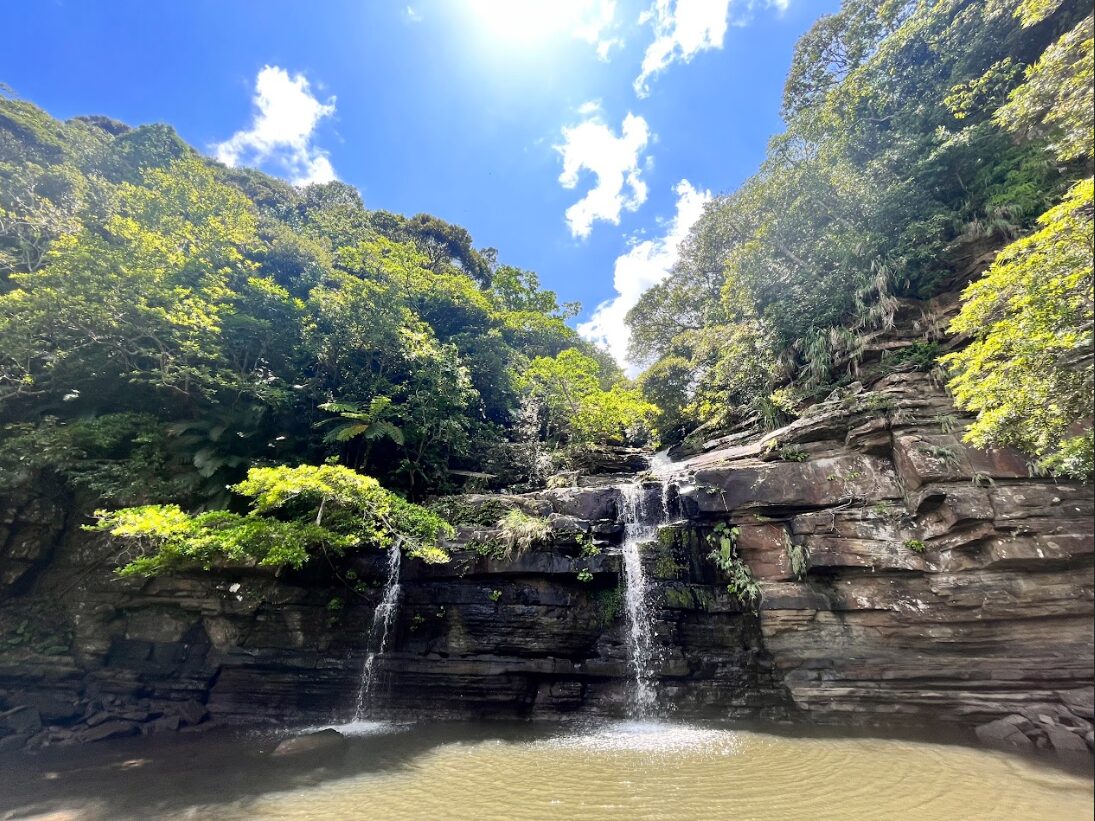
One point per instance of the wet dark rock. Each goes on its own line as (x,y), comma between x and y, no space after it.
(1065,742)
(165,724)
(608,459)
(95,719)
(1003,733)
(115,728)
(17,741)
(583,503)
(191,712)
(21,720)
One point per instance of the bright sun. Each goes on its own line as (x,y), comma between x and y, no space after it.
(525,22)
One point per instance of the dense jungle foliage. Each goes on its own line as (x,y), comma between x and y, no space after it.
(168,324)
(918,135)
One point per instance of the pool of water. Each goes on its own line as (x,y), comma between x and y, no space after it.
(497,771)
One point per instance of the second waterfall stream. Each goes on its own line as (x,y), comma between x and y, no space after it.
(383,617)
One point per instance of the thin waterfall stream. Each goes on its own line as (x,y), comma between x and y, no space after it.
(383,617)
(640,529)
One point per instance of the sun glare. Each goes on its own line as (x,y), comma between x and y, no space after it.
(532,22)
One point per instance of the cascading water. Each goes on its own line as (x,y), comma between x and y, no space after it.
(383,617)
(640,638)
(640,528)
(662,468)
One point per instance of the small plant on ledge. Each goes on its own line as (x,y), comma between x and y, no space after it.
(915,545)
(799,558)
(494,595)
(585,542)
(784,453)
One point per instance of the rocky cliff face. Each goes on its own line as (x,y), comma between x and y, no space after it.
(904,576)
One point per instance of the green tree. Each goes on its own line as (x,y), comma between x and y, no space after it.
(892,175)
(1027,374)
(579,407)
(144,299)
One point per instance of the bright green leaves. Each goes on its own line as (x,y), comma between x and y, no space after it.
(1056,100)
(144,299)
(164,539)
(578,408)
(1027,374)
(295,513)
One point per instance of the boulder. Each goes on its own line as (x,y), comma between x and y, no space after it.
(1003,733)
(1081,702)
(53,706)
(14,742)
(594,459)
(95,719)
(588,503)
(1065,742)
(166,724)
(812,484)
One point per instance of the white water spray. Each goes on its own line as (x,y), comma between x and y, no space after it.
(662,468)
(383,617)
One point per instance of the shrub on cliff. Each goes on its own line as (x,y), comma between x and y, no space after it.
(295,514)
(517,531)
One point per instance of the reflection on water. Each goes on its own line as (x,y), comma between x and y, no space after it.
(360,727)
(632,770)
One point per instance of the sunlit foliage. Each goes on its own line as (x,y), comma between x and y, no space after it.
(295,514)
(1028,372)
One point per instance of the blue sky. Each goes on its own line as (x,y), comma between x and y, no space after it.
(579,137)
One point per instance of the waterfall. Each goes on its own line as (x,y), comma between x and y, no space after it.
(662,467)
(640,638)
(383,617)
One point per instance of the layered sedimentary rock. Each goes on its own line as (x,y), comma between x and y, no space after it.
(904,576)
(943,582)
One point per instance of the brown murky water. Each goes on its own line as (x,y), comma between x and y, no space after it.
(608,771)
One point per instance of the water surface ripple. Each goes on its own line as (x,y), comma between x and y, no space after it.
(627,770)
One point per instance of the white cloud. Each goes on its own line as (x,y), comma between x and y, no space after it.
(684,28)
(597,25)
(644,265)
(614,161)
(413,15)
(284,122)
